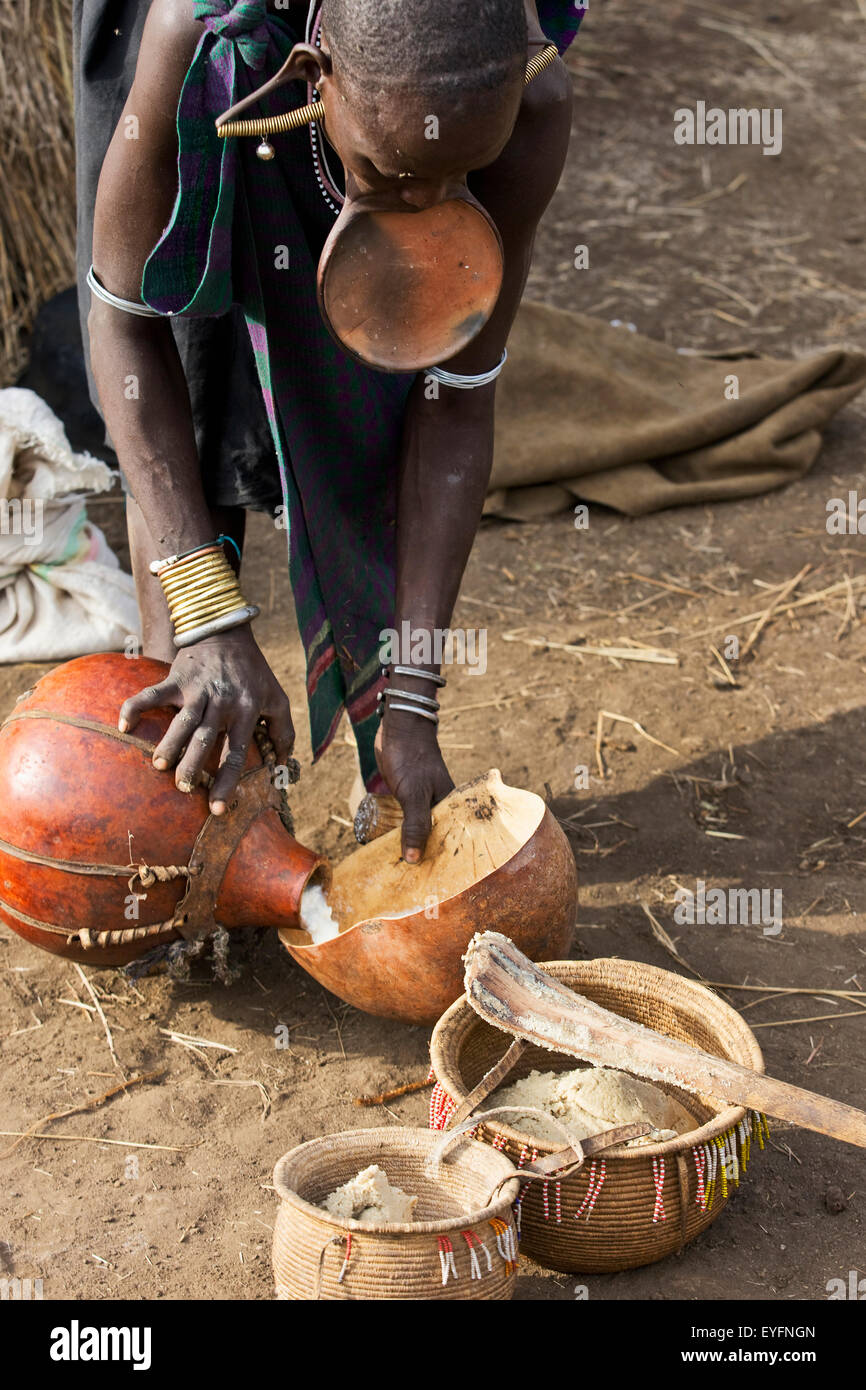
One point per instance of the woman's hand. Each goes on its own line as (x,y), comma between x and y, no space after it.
(410,760)
(221,687)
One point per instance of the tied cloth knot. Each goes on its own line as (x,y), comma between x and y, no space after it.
(245,21)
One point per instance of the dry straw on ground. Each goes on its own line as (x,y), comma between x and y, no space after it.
(37,193)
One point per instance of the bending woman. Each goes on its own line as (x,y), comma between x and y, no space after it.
(461,112)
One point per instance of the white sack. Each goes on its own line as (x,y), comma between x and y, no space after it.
(62,592)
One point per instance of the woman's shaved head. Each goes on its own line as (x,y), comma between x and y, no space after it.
(418,93)
(441,46)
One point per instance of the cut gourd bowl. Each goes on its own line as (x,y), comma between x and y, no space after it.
(496,860)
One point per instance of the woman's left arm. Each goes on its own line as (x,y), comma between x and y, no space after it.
(448,446)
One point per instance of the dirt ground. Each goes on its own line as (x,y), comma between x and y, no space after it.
(766,787)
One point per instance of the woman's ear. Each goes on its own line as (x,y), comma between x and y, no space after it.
(305,64)
(311,63)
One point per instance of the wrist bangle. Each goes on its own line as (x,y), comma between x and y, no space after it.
(412,709)
(410,695)
(169,560)
(230,620)
(202,593)
(416,671)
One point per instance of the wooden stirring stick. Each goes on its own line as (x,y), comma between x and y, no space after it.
(512,994)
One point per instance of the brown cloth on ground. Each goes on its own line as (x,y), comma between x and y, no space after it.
(604,415)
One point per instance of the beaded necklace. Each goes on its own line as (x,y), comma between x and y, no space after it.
(327,187)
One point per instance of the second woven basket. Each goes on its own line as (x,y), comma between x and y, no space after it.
(626,1206)
(463,1246)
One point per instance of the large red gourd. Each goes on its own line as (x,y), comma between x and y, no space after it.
(101,857)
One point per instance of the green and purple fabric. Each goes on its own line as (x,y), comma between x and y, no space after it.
(248,232)
(561,19)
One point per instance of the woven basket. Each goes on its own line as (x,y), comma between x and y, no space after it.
(464,1244)
(633,1205)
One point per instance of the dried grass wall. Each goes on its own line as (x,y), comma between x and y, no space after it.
(37,167)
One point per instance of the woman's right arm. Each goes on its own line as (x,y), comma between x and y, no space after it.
(136,364)
(222,685)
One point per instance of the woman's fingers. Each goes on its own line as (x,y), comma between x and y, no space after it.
(179,733)
(203,738)
(443,785)
(160,696)
(234,756)
(416,803)
(281,730)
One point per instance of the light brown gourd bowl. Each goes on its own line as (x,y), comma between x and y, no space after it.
(394,1261)
(620,1232)
(496,859)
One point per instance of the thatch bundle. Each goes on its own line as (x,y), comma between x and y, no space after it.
(37,167)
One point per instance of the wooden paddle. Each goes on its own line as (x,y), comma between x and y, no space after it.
(511,993)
